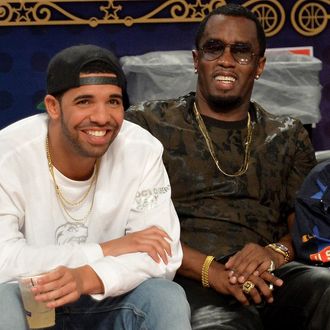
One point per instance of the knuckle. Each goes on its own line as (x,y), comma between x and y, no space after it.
(152,249)
(250,245)
(147,248)
(59,293)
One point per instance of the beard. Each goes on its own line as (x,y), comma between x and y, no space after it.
(78,146)
(224,104)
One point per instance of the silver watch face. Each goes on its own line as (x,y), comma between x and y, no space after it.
(282,247)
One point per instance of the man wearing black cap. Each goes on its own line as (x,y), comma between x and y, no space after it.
(85,199)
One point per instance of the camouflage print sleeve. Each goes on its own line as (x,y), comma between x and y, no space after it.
(136,115)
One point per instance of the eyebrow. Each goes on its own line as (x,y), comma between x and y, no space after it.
(240,42)
(90,96)
(118,96)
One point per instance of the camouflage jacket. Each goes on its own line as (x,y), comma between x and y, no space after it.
(220,214)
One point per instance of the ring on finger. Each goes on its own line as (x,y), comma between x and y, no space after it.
(271,266)
(247,287)
(271,286)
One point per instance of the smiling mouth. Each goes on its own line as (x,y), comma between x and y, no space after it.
(225,79)
(96,133)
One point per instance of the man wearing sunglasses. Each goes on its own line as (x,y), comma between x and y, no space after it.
(234,170)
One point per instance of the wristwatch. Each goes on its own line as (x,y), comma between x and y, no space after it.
(280,248)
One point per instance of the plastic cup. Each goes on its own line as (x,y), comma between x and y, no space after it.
(38,315)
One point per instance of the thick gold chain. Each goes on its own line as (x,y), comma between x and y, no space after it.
(64,201)
(209,143)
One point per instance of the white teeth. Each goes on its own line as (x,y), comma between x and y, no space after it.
(96,133)
(225,79)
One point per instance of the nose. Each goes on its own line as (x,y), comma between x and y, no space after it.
(100,115)
(226,58)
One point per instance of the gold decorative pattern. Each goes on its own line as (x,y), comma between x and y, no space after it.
(111,11)
(59,12)
(308,18)
(270,13)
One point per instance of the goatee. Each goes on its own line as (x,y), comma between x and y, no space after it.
(224,104)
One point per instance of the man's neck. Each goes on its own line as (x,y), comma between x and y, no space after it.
(78,170)
(68,163)
(235,114)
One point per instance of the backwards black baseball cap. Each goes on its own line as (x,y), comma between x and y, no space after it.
(64,69)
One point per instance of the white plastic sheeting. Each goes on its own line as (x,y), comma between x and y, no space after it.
(289,85)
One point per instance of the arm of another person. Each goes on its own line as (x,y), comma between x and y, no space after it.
(256,259)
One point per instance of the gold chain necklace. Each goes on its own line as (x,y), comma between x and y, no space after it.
(65,202)
(209,143)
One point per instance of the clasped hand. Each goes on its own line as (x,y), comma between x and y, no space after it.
(252,264)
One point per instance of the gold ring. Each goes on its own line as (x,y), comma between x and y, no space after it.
(247,287)
(271,267)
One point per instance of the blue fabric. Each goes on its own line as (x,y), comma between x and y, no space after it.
(11,308)
(311,231)
(156,304)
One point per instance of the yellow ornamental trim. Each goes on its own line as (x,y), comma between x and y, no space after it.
(38,12)
(308,18)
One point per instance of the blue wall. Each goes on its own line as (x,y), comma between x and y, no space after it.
(26,50)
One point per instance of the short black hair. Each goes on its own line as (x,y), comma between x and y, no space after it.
(238,11)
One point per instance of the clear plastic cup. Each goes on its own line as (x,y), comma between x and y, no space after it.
(38,315)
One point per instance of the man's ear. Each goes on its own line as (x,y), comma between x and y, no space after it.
(260,66)
(52,106)
(195,58)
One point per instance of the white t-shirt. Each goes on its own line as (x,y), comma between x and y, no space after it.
(132,193)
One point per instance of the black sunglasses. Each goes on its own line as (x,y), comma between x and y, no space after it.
(241,52)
